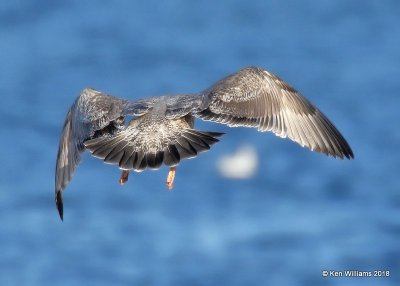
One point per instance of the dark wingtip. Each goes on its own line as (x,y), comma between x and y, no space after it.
(348,152)
(59,204)
(350,155)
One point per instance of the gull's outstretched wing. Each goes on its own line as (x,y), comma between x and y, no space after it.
(91,112)
(256,98)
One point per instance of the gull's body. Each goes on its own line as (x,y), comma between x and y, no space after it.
(162,128)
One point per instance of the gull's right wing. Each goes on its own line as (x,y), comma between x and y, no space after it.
(256,98)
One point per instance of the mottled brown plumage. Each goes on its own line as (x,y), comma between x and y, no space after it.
(162,128)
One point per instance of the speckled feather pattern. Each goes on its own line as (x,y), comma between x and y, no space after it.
(256,98)
(161,131)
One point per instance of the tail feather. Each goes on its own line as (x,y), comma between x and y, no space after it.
(197,142)
(141,162)
(192,142)
(154,160)
(185,149)
(171,155)
(120,151)
(126,162)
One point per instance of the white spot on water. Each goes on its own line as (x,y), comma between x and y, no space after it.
(242,164)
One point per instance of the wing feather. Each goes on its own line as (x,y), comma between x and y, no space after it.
(93,113)
(256,98)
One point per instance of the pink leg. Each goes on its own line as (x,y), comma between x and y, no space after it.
(124,177)
(171,178)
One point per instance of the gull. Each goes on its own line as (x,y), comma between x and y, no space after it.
(160,130)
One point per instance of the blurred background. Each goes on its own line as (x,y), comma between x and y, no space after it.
(296,214)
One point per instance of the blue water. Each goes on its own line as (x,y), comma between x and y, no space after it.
(301,214)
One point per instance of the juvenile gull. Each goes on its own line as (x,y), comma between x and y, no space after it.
(161,130)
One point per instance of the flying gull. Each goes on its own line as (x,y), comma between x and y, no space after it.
(161,129)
